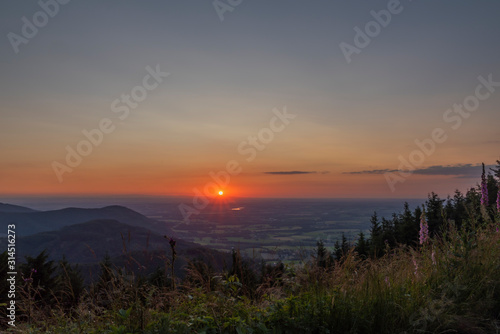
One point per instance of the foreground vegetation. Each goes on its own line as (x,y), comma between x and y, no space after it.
(446,279)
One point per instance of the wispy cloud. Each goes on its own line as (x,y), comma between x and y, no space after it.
(459,171)
(294,172)
(373,171)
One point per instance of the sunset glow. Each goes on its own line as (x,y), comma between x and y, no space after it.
(227,165)
(198,100)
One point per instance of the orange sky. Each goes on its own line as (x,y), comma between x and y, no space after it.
(174,93)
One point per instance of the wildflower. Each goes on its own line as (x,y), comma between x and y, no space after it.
(415,264)
(172,243)
(424,229)
(33,270)
(387,281)
(498,198)
(484,189)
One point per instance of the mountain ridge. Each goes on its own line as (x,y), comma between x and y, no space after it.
(136,248)
(29,223)
(11,208)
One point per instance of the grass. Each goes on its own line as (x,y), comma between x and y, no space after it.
(450,285)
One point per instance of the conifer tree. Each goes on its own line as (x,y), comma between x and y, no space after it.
(434,213)
(408,231)
(376,241)
(40,273)
(362,246)
(341,249)
(323,257)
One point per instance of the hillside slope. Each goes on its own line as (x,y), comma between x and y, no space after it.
(4,207)
(29,223)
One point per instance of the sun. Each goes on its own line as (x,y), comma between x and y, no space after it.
(220,193)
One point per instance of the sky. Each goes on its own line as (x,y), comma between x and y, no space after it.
(318,98)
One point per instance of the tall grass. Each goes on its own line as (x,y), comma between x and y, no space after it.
(449,285)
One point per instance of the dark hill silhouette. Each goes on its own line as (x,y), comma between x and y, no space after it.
(91,241)
(4,207)
(133,247)
(28,223)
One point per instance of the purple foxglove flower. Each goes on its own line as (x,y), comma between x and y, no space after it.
(424,229)
(484,189)
(415,264)
(498,199)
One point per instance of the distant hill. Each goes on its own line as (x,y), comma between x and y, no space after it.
(29,223)
(91,241)
(14,208)
(134,247)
